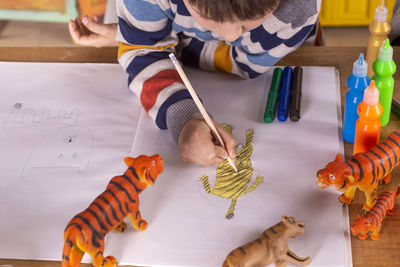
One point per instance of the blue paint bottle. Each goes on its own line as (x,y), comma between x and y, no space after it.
(356,83)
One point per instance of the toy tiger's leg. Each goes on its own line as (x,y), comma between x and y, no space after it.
(259,180)
(96,253)
(231,211)
(121,227)
(391,211)
(75,257)
(386,179)
(375,233)
(206,184)
(72,255)
(348,195)
(371,197)
(363,236)
(137,221)
(290,256)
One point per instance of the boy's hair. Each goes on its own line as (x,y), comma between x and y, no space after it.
(229,10)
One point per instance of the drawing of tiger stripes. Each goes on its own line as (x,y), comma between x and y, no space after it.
(86,231)
(363,171)
(372,220)
(230,184)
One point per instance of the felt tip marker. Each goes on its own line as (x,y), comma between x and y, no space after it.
(295,94)
(283,105)
(270,109)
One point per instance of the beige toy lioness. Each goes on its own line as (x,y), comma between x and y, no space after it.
(270,247)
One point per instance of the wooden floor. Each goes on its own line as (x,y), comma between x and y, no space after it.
(26,33)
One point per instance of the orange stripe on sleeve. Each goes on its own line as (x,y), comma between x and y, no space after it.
(122,47)
(222,58)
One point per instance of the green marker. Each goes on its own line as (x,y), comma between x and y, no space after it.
(384,68)
(273,94)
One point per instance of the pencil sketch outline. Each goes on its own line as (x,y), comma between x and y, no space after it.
(69,136)
(28,117)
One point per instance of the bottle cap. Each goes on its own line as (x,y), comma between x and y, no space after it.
(381,12)
(360,67)
(386,51)
(371,94)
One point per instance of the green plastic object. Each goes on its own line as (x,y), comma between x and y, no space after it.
(270,109)
(384,68)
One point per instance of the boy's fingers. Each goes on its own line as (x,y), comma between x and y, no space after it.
(220,153)
(229,141)
(93,26)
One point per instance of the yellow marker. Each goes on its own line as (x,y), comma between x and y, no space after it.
(379,29)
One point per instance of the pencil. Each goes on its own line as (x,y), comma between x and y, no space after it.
(200,105)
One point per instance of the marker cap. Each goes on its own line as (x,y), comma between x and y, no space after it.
(371,94)
(386,51)
(360,67)
(381,12)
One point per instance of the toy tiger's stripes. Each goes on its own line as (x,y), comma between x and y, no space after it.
(382,158)
(364,171)
(86,231)
(372,220)
(230,184)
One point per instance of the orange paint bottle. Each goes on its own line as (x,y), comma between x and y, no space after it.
(368,125)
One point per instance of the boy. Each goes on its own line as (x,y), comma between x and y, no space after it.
(243,37)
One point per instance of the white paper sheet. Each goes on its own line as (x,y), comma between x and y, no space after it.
(187,226)
(64,132)
(40,193)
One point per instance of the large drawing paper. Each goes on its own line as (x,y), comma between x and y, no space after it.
(64,132)
(187,226)
(65,129)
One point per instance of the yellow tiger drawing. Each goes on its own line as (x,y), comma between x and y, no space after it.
(230,184)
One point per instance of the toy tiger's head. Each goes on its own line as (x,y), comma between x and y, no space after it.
(336,174)
(360,226)
(147,168)
(294,226)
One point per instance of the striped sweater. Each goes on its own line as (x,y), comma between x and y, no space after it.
(151,29)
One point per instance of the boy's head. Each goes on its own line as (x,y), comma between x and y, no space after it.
(231,18)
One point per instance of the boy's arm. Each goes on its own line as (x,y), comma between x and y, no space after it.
(145,39)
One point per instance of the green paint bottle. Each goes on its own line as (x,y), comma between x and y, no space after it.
(384,68)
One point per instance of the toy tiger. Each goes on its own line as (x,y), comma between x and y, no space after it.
(270,247)
(230,184)
(86,231)
(372,220)
(363,171)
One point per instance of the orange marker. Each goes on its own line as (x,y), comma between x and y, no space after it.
(368,125)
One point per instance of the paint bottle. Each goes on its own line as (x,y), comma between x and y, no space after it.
(384,68)
(356,83)
(379,30)
(368,125)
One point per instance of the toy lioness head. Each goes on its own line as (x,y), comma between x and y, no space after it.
(336,174)
(294,227)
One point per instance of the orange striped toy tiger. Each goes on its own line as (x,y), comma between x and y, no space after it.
(363,171)
(372,220)
(86,231)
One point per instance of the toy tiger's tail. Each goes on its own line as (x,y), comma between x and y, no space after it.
(71,255)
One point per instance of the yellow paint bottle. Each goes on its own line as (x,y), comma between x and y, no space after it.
(379,30)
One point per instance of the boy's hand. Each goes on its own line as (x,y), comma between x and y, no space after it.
(197,144)
(90,32)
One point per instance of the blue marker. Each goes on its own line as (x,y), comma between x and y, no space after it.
(283,106)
